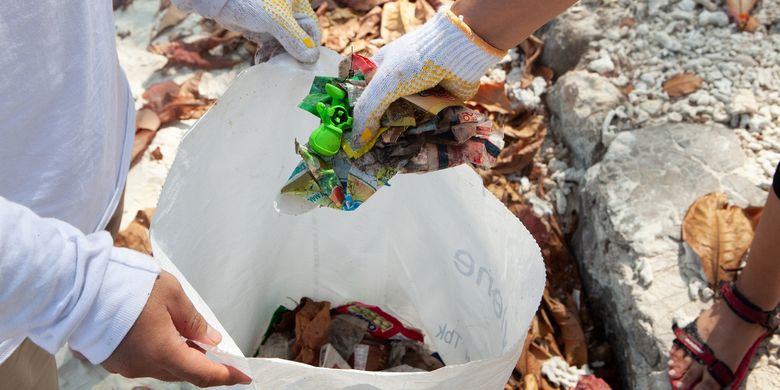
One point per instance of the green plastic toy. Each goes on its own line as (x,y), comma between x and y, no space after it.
(326,139)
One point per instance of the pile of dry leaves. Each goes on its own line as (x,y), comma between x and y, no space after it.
(562,326)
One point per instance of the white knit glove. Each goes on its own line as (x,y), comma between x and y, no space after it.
(442,52)
(291,22)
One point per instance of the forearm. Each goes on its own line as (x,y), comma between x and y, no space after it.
(506,23)
(760,281)
(59,285)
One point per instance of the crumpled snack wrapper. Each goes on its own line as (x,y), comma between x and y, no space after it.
(424,132)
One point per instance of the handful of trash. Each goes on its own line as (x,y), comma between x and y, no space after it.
(354,335)
(424,132)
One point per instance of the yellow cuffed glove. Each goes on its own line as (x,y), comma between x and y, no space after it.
(291,22)
(443,52)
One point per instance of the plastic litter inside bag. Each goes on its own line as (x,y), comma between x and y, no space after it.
(424,132)
(352,336)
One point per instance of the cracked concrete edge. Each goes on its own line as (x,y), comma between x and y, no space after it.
(611,270)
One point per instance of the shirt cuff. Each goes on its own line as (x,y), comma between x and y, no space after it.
(126,287)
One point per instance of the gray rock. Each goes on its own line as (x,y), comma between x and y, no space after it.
(568,37)
(579,103)
(631,209)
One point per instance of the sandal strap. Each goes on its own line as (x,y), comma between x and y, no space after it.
(748,311)
(689,340)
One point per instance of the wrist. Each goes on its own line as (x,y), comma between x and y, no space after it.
(451,44)
(460,21)
(476,20)
(126,286)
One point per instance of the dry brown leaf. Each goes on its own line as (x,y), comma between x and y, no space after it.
(521,365)
(751,25)
(519,154)
(492,96)
(141,142)
(197,54)
(171,18)
(505,191)
(123,4)
(547,334)
(167,102)
(136,235)
(312,328)
(159,94)
(530,383)
(147,119)
(545,73)
(533,223)
(410,19)
(572,337)
(535,358)
(561,266)
(682,84)
(316,4)
(514,382)
(628,22)
(436,4)
(174,102)
(369,24)
(425,11)
(532,48)
(391,27)
(340,27)
(739,10)
(719,233)
(362,5)
(157,154)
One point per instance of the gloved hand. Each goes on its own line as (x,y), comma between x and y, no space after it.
(444,51)
(291,22)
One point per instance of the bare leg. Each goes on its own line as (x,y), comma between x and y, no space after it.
(760,281)
(728,335)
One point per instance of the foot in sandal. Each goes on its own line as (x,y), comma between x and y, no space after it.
(715,351)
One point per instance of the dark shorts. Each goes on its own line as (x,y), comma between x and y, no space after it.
(776,184)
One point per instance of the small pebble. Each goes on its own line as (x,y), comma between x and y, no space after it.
(602,65)
(717,18)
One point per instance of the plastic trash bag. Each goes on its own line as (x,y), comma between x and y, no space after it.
(436,250)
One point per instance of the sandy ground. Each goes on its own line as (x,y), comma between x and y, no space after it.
(144,68)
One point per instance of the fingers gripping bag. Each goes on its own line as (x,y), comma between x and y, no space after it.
(436,251)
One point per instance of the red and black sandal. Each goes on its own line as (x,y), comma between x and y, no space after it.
(689,340)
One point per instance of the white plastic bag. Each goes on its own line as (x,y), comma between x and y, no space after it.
(436,250)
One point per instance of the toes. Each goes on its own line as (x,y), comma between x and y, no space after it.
(691,377)
(678,363)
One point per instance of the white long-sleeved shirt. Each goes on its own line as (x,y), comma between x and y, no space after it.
(66,131)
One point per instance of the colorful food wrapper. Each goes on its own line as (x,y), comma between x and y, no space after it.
(424,132)
(381,325)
